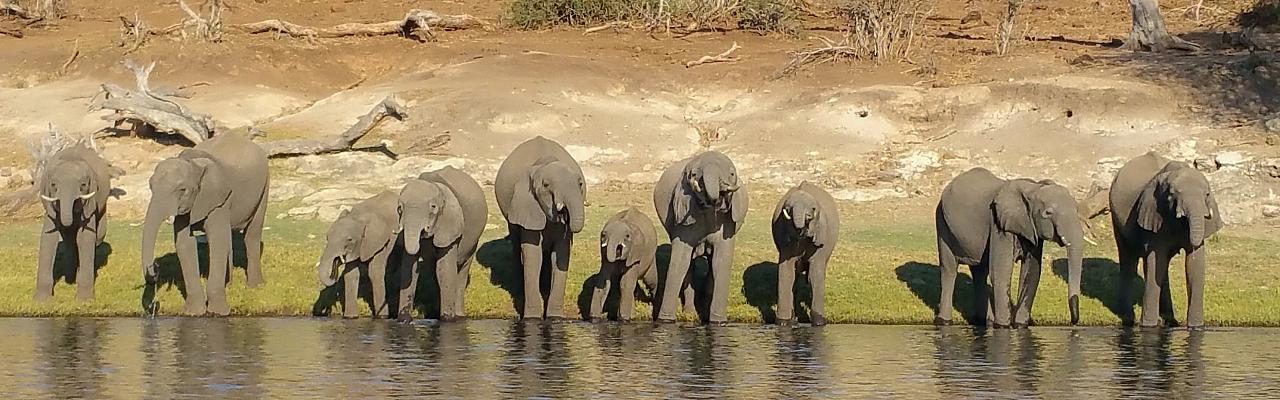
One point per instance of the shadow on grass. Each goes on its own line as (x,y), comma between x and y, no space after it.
(66,261)
(925,281)
(1100,280)
(333,296)
(504,269)
(760,288)
(699,277)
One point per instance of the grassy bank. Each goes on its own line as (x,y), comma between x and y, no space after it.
(883,272)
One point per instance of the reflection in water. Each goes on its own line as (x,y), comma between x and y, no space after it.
(273,358)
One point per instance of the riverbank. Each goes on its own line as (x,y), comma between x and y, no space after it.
(883,272)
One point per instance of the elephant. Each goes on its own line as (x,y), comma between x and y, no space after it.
(628,253)
(1159,208)
(218,186)
(988,223)
(74,187)
(701,202)
(363,237)
(806,225)
(441,217)
(542,194)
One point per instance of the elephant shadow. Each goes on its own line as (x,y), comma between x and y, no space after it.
(426,299)
(505,270)
(1100,280)
(65,264)
(925,281)
(333,296)
(760,288)
(169,267)
(699,277)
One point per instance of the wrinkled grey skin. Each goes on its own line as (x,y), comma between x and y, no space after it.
(988,223)
(806,225)
(541,193)
(441,217)
(628,253)
(1158,209)
(73,189)
(363,238)
(219,186)
(701,201)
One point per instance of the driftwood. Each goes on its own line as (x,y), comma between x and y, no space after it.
(391,106)
(829,51)
(416,24)
(7,7)
(722,57)
(152,108)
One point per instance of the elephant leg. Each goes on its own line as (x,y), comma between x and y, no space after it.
(1195,265)
(86,243)
(1000,259)
(1167,313)
(49,238)
(559,276)
(1151,296)
(1128,271)
(253,245)
(786,289)
(531,261)
(600,291)
(99,228)
(378,282)
(217,228)
(627,293)
(446,267)
(818,283)
(677,270)
(721,265)
(460,284)
(185,245)
(948,266)
(690,298)
(351,291)
(981,292)
(1028,284)
(408,285)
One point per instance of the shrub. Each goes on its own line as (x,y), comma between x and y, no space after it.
(767,16)
(884,29)
(537,14)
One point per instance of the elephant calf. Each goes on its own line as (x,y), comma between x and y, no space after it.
(628,253)
(442,215)
(806,225)
(541,192)
(1159,208)
(988,223)
(363,238)
(701,203)
(74,186)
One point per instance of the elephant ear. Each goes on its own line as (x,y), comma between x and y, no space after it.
(377,233)
(525,210)
(214,189)
(449,223)
(1013,213)
(822,235)
(1215,218)
(681,203)
(738,204)
(1149,205)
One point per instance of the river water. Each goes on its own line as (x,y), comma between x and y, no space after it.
(281,357)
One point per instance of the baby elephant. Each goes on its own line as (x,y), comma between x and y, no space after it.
(363,237)
(442,215)
(806,224)
(628,247)
(74,186)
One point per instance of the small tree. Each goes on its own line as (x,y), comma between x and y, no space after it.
(1149,32)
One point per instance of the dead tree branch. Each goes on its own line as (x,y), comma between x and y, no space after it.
(416,24)
(11,32)
(144,106)
(829,51)
(207,27)
(75,53)
(615,26)
(718,58)
(391,106)
(10,8)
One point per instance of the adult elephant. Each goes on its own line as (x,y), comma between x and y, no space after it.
(218,186)
(701,203)
(541,193)
(74,186)
(442,215)
(1159,208)
(988,223)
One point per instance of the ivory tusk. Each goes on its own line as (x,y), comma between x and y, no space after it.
(1090,241)
(786,214)
(89,195)
(604,244)
(48,199)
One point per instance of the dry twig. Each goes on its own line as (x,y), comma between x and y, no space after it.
(75,53)
(143,106)
(718,58)
(416,24)
(829,51)
(616,26)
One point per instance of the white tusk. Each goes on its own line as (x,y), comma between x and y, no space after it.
(48,199)
(786,214)
(604,244)
(560,207)
(89,195)
(1086,238)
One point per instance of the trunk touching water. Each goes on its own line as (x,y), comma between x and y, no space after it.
(1075,260)
(156,213)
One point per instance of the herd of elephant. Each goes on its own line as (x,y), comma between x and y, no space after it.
(434,223)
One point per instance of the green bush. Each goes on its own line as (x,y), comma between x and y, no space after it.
(768,16)
(538,14)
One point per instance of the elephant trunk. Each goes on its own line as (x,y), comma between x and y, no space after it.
(326,268)
(66,206)
(413,224)
(157,212)
(577,210)
(1195,223)
(1075,265)
(412,240)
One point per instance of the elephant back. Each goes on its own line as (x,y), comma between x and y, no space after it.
(245,164)
(966,210)
(1131,179)
(517,165)
(475,211)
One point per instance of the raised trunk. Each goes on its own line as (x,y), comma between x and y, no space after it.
(1149,32)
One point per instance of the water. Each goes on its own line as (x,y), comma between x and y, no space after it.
(277,358)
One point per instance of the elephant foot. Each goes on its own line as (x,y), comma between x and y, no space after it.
(661,320)
(996,325)
(595,320)
(404,318)
(350,316)
(84,294)
(448,318)
(1195,328)
(1171,323)
(717,323)
(784,321)
(194,308)
(42,296)
(817,320)
(219,308)
(531,318)
(254,280)
(938,321)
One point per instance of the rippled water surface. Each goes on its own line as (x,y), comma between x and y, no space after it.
(273,358)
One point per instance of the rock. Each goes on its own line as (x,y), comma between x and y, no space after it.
(1270,211)
(330,213)
(21,177)
(1230,159)
(1205,164)
(304,211)
(411,167)
(4,182)
(1184,150)
(288,190)
(916,163)
(865,195)
(1273,125)
(330,196)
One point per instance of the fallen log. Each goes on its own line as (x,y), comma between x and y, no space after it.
(391,106)
(416,24)
(151,108)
